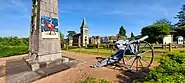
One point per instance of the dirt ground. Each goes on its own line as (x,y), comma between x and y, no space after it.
(75,74)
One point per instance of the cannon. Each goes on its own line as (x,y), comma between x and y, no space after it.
(136,55)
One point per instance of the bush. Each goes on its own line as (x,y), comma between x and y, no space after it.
(6,51)
(104,46)
(91,46)
(94,80)
(72,47)
(171,69)
(13,41)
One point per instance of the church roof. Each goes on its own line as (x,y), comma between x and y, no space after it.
(84,24)
(77,35)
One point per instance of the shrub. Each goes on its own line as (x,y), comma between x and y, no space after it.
(72,47)
(6,51)
(94,80)
(103,45)
(171,69)
(91,46)
(13,41)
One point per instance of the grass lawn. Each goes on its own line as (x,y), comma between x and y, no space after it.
(94,80)
(104,52)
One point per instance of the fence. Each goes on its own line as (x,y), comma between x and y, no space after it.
(169,46)
(109,50)
(97,50)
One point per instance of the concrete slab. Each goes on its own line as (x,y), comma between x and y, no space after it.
(17,71)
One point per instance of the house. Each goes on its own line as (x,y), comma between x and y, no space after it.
(104,40)
(70,41)
(168,39)
(95,40)
(180,40)
(112,39)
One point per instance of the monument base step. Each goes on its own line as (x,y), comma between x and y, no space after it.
(41,65)
(17,71)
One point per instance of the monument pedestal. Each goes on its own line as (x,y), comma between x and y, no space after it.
(36,65)
(44,42)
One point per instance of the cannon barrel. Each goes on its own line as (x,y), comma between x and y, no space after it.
(143,38)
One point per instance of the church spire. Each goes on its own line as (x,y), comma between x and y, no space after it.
(84,25)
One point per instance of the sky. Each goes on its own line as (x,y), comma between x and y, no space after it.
(103,17)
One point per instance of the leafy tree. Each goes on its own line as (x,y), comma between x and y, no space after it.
(165,21)
(180,31)
(162,21)
(61,36)
(181,22)
(138,37)
(119,37)
(122,34)
(122,31)
(14,41)
(132,36)
(63,41)
(181,16)
(156,32)
(71,33)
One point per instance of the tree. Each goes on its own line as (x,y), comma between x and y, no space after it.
(122,34)
(156,32)
(122,31)
(162,21)
(119,37)
(165,21)
(61,37)
(181,16)
(71,33)
(180,31)
(132,36)
(138,36)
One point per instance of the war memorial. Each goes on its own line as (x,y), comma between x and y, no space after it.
(45,56)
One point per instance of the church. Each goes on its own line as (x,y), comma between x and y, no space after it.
(81,39)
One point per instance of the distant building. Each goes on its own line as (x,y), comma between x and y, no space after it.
(112,38)
(168,39)
(95,40)
(104,40)
(82,38)
(180,40)
(70,41)
(77,40)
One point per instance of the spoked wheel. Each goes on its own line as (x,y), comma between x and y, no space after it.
(138,56)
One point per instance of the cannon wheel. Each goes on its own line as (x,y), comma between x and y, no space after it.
(141,58)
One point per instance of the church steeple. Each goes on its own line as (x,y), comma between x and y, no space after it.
(84,24)
(84,33)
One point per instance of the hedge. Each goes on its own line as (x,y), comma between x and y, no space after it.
(91,46)
(6,51)
(171,69)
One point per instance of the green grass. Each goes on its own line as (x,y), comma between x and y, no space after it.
(104,52)
(6,51)
(94,80)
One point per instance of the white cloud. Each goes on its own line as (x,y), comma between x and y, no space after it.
(21,8)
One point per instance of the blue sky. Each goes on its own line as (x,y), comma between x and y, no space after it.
(104,17)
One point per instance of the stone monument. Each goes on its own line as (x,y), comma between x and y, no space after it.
(44,43)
